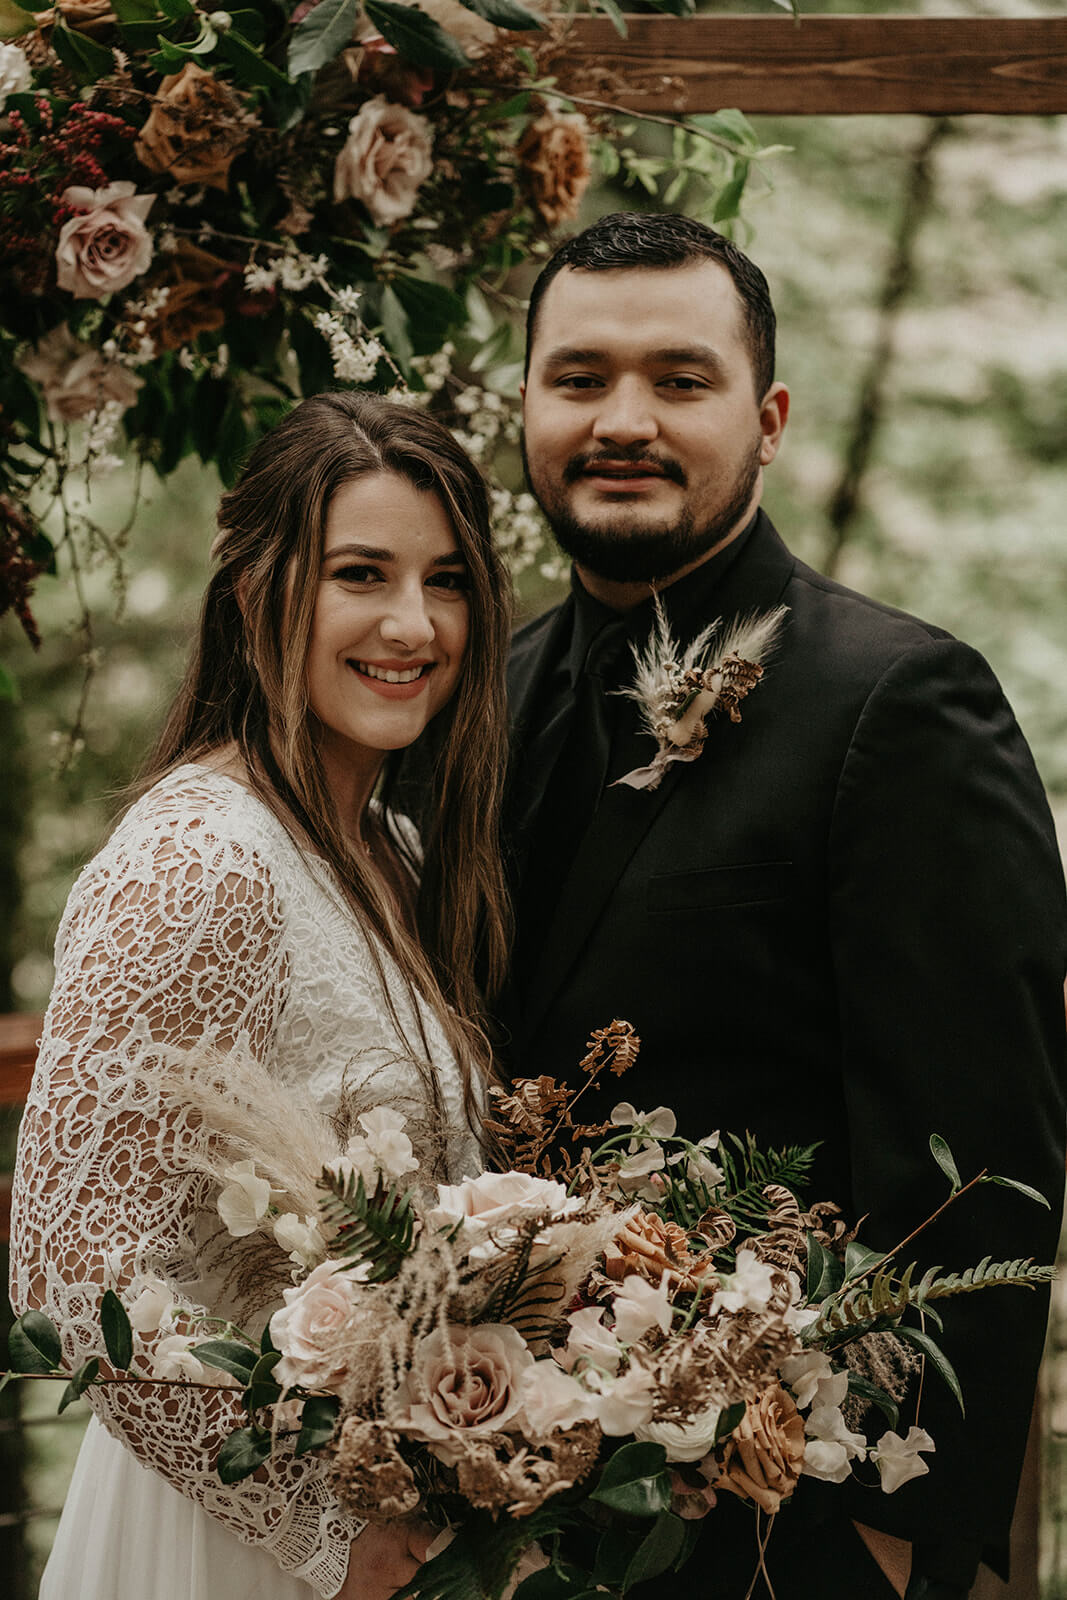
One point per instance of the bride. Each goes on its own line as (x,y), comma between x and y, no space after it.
(256,899)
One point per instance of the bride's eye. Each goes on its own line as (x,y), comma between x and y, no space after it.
(357,574)
(456,580)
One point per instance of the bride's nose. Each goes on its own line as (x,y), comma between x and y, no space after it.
(406,620)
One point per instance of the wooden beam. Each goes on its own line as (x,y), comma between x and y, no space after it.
(19,1034)
(828,65)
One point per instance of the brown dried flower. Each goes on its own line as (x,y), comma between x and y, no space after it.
(650,1246)
(498,1473)
(765,1451)
(192,278)
(554,152)
(196,127)
(370,1475)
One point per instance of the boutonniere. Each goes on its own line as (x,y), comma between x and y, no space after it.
(679,690)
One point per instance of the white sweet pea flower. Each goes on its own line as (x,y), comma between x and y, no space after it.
(150,1308)
(590,1342)
(897,1459)
(302,1241)
(641,1162)
(551,1399)
(245,1200)
(699,1168)
(387,1142)
(831,1447)
(621,1405)
(638,1307)
(804,1373)
(658,1124)
(748,1288)
(174,1360)
(683,1441)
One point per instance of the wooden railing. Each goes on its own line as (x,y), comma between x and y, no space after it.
(18,1052)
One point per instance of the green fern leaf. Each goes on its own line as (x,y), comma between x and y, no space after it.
(376,1229)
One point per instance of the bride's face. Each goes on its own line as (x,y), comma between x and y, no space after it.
(389,633)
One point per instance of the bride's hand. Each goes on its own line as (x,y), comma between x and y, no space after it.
(385,1559)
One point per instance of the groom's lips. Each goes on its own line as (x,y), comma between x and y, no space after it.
(614,476)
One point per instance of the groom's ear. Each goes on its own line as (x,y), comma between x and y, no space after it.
(773,416)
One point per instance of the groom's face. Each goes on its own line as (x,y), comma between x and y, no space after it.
(644,437)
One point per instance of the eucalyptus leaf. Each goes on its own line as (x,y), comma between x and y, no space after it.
(936,1357)
(118,1335)
(321,35)
(228,1356)
(876,1396)
(242,1453)
(614,14)
(85,1375)
(825,1272)
(729,1417)
(417,37)
(318,1421)
(263,1388)
(1023,1188)
(14,22)
(728,203)
(943,1156)
(33,1344)
(504,14)
(657,1551)
(252,68)
(86,58)
(635,1481)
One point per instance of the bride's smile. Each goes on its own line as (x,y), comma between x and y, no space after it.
(389,633)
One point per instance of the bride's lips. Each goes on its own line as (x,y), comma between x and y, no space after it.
(403,686)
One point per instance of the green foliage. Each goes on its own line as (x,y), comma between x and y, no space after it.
(318,1421)
(747,1171)
(83,1379)
(635,1481)
(115,1326)
(415,35)
(243,1453)
(322,34)
(228,1355)
(33,1344)
(373,1230)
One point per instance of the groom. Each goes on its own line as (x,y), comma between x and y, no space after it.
(843,922)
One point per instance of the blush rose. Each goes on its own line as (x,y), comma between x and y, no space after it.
(106,245)
(466,1381)
(384,161)
(308,1329)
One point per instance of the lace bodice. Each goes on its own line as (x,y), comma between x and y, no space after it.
(200,923)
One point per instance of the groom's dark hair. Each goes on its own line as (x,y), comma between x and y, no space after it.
(626,239)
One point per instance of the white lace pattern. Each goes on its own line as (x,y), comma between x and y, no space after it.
(200,923)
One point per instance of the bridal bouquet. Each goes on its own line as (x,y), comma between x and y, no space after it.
(563,1364)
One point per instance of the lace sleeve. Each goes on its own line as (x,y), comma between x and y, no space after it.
(173,937)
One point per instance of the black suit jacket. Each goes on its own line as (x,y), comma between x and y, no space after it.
(844,922)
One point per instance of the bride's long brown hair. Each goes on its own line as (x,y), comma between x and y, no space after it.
(246,686)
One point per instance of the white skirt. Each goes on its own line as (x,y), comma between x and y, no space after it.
(125,1534)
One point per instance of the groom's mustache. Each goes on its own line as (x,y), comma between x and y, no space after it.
(578,466)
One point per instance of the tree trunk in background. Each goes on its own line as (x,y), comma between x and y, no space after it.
(919,199)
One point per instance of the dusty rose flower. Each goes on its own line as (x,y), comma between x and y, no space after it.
(308,1328)
(554,152)
(75,378)
(194,130)
(765,1452)
(106,245)
(385,159)
(466,1381)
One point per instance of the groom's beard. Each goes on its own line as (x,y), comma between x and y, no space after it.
(626,551)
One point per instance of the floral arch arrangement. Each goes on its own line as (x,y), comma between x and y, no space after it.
(206,214)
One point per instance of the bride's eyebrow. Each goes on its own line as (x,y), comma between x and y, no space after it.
(366,552)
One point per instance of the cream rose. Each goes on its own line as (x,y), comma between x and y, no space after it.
(16,75)
(494,1199)
(385,159)
(683,1441)
(466,1381)
(106,245)
(308,1329)
(75,378)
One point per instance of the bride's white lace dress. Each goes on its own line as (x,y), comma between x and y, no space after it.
(199,923)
